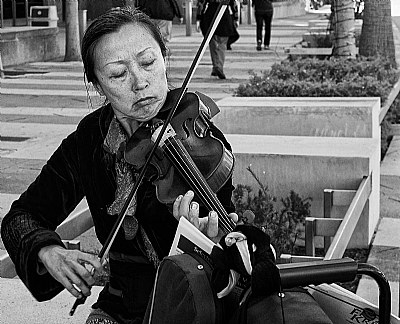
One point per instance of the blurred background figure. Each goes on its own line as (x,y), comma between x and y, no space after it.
(226,28)
(162,12)
(307,5)
(263,11)
(233,38)
(358,9)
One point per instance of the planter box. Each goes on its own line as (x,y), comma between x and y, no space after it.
(307,145)
(308,165)
(29,44)
(300,116)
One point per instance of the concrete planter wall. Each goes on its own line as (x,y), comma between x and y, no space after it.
(29,44)
(289,8)
(307,145)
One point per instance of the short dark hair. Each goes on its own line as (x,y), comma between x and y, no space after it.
(111,22)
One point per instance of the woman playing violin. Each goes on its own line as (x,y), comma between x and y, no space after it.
(124,57)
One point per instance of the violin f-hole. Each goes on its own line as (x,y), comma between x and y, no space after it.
(185,128)
(201,126)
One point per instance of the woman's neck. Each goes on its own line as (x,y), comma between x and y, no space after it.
(129,125)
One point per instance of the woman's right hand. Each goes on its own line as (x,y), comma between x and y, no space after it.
(68,268)
(198,26)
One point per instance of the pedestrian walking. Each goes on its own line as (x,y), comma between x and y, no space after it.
(163,13)
(264,11)
(233,38)
(206,10)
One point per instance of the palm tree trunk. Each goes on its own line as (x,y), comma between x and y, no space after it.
(377,32)
(343,28)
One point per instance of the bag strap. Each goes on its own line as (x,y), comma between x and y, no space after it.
(153,295)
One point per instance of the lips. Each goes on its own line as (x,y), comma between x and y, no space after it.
(144,101)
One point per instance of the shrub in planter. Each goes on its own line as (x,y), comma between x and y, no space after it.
(282,223)
(334,77)
(312,77)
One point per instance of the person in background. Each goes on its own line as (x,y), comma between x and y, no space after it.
(233,38)
(124,58)
(162,12)
(264,11)
(206,10)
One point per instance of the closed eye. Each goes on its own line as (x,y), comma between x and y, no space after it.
(148,63)
(118,75)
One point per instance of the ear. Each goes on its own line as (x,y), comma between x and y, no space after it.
(98,89)
(166,61)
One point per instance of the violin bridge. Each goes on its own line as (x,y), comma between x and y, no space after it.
(169,132)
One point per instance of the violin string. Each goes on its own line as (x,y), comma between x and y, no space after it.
(200,188)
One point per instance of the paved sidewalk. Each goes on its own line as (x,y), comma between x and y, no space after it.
(385,247)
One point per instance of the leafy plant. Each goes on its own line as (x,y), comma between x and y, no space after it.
(311,77)
(282,223)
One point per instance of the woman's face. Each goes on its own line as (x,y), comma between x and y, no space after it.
(130,71)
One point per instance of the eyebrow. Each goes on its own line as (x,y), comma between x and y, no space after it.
(142,52)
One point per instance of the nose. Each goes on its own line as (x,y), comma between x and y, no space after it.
(139,79)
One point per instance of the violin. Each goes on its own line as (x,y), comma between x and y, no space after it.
(188,157)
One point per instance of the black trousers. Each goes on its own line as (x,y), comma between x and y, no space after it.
(127,293)
(266,20)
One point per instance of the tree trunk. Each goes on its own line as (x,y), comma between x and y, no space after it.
(72,50)
(343,40)
(377,32)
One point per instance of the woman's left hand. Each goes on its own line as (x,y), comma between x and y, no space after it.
(185,207)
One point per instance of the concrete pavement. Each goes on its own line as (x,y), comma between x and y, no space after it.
(47,99)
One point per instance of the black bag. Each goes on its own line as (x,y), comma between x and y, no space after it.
(186,286)
(183,293)
(296,305)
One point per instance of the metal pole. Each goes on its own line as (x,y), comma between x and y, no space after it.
(14,12)
(317,272)
(26,13)
(328,202)
(385,297)
(1,14)
(188,17)
(249,10)
(82,23)
(72,52)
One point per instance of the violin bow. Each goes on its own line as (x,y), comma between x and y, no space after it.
(121,216)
